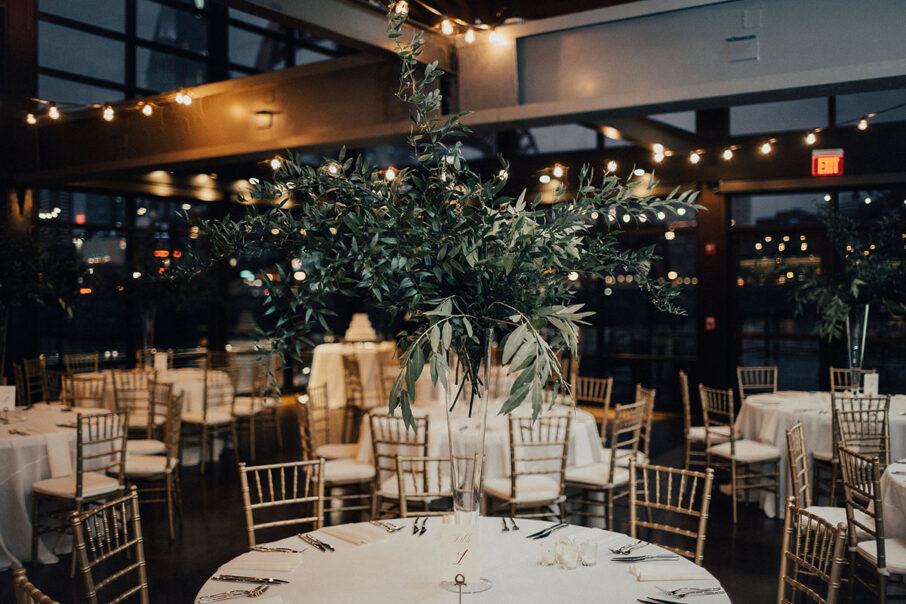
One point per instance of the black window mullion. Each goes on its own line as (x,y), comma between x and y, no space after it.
(85,27)
(131,65)
(173,50)
(82,79)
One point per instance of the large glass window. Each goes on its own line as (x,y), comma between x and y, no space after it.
(180,28)
(160,71)
(73,51)
(109,14)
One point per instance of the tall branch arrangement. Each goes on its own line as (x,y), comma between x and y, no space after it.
(441,246)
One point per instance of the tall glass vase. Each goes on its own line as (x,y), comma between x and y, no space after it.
(856,327)
(467,408)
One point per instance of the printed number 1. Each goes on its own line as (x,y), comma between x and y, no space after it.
(459,562)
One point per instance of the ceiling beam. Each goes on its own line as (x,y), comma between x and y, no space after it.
(348,23)
(646,132)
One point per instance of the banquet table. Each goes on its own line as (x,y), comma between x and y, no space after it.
(766,418)
(188,381)
(584,438)
(893,497)
(48,451)
(402,567)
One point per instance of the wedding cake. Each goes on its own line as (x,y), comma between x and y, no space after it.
(360,329)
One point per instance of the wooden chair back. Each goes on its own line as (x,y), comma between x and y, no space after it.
(219,390)
(753,380)
(424,481)
(811,558)
(841,378)
(355,398)
(594,392)
(538,447)
(159,406)
(34,372)
(718,411)
(132,389)
(81,363)
(646,395)
(295,486)
(109,538)
(26,593)
(673,499)
(390,437)
(100,446)
(145,357)
(625,435)
(797,458)
(21,387)
(83,390)
(219,359)
(862,424)
(389,367)
(687,402)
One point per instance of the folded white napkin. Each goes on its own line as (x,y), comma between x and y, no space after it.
(653,571)
(59,454)
(280,562)
(870,383)
(361,533)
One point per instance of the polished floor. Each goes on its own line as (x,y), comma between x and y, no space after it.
(745,558)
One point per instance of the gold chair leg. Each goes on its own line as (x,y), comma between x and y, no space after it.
(35,528)
(204,447)
(609,526)
(686,454)
(733,487)
(252,436)
(170,506)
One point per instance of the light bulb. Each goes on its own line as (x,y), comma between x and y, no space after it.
(863,124)
(544,179)
(727,154)
(299,275)
(657,148)
(401,7)
(867,200)
(31,119)
(626,218)
(827,197)
(810,138)
(694,157)
(573,276)
(470,36)
(53,113)
(254,182)
(765,148)
(503,175)
(109,114)
(136,275)
(611,166)
(681,211)
(658,157)
(332,168)
(494,37)
(147,110)
(669,235)
(390,174)
(446,27)
(558,171)
(661,215)
(275,164)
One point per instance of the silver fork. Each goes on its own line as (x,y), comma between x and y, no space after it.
(515,526)
(236,593)
(254,593)
(628,548)
(424,528)
(682,592)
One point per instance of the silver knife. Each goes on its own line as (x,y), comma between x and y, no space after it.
(645,558)
(242,579)
(542,531)
(312,542)
(550,530)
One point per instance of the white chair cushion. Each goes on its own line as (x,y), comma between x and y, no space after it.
(823,455)
(338,451)
(747,451)
(145,446)
(147,465)
(216,417)
(718,433)
(596,475)
(338,471)
(139,419)
(251,405)
(894,551)
(838,516)
(529,489)
(93,484)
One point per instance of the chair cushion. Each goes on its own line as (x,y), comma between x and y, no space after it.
(823,455)
(147,465)
(145,446)
(718,433)
(216,417)
(338,471)
(338,451)
(93,484)
(894,551)
(838,516)
(747,451)
(139,419)
(596,475)
(529,489)
(251,405)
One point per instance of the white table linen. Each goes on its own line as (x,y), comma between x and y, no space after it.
(47,452)
(893,496)
(406,568)
(188,381)
(766,418)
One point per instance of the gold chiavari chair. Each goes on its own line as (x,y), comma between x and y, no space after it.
(355,399)
(811,560)
(593,395)
(353,480)
(21,388)
(425,482)
(609,476)
(146,356)
(132,393)
(797,458)
(743,456)
(108,539)
(35,379)
(885,559)
(294,487)
(753,380)
(158,412)
(83,390)
(259,407)
(26,593)
(215,418)
(390,437)
(645,395)
(694,436)
(81,363)
(160,473)
(320,425)
(537,477)
(100,457)
(389,366)
(220,359)
(841,378)
(679,498)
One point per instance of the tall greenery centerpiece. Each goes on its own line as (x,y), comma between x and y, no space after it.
(445,248)
(867,269)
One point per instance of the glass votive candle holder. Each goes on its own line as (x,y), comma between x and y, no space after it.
(588,553)
(568,555)
(548,555)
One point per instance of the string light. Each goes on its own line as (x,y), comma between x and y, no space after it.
(108,114)
(669,235)
(503,175)
(639,172)
(681,211)
(657,148)
(658,156)
(558,171)
(863,124)
(30,119)
(827,197)
(494,37)
(694,157)
(446,27)
(573,276)
(727,154)
(626,218)
(810,138)
(611,166)
(470,35)
(275,163)
(765,148)
(401,7)
(53,113)
(390,174)
(147,110)
(544,179)
(183,98)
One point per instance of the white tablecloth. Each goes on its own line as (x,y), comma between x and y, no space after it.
(584,438)
(893,494)
(405,568)
(767,417)
(188,381)
(47,452)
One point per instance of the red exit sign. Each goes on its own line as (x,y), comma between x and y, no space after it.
(827,162)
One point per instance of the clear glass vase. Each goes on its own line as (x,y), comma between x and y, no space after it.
(467,408)
(856,328)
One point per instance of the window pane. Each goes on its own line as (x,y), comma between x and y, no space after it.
(171,26)
(81,208)
(250,19)
(58,89)
(779,210)
(854,106)
(254,50)
(798,360)
(305,56)
(75,51)
(869,206)
(102,13)
(801,114)
(164,71)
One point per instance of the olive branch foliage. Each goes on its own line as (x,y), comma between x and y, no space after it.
(442,246)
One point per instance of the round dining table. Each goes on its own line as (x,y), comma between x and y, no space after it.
(35,444)
(766,418)
(406,567)
(893,498)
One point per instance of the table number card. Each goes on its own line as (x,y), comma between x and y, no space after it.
(161,360)
(460,552)
(870,383)
(7,398)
